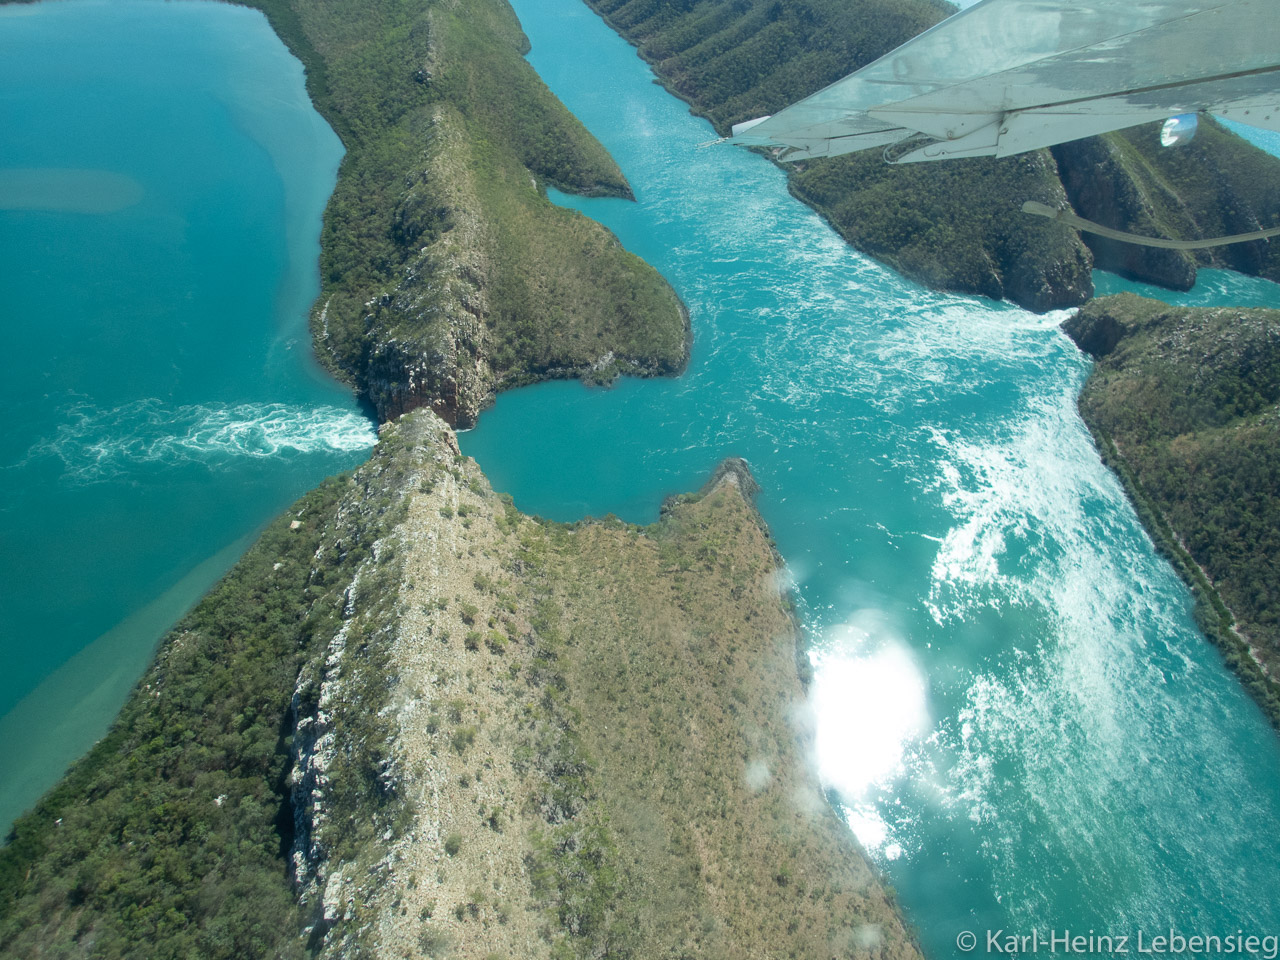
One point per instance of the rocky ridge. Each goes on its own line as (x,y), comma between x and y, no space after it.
(446,273)
(586,742)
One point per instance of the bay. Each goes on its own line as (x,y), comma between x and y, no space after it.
(1012,705)
(162,179)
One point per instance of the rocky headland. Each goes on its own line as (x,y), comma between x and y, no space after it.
(446,274)
(454,730)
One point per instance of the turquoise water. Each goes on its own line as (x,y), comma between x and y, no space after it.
(1268,140)
(162,177)
(1012,704)
(1213,288)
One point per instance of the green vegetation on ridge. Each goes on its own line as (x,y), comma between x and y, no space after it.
(414,722)
(681,665)
(1184,405)
(597,741)
(170,838)
(445,271)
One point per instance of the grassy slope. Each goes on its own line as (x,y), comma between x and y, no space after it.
(598,743)
(478,733)
(446,274)
(1184,405)
(954,225)
(684,669)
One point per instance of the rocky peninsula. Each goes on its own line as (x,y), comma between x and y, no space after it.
(446,274)
(454,730)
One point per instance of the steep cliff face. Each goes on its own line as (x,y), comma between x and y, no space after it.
(428,335)
(1102,189)
(1217,185)
(446,273)
(1183,405)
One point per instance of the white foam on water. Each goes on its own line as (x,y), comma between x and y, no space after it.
(96,444)
(1055,764)
(1068,739)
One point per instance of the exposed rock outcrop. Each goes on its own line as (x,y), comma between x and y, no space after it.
(1102,190)
(1217,185)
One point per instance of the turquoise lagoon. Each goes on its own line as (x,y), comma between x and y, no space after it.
(1012,705)
(162,177)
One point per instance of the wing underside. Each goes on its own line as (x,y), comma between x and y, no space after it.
(1007,76)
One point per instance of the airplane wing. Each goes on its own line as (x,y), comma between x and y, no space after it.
(1007,76)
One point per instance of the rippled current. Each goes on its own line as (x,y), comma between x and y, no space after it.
(1013,706)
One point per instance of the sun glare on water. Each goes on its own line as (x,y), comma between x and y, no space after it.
(869,707)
